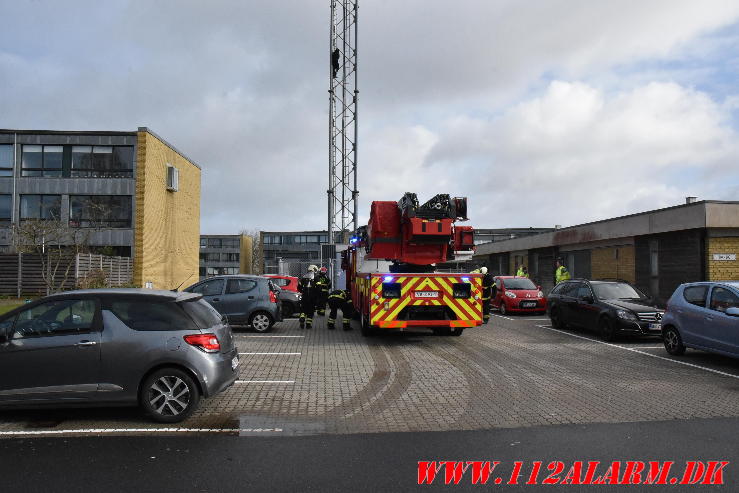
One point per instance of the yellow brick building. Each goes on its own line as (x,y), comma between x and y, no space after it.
(167,215)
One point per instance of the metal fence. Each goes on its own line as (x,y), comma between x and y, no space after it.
(21,273)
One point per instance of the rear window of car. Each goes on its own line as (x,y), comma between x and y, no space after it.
(152,315)
(201,312)
(696,295)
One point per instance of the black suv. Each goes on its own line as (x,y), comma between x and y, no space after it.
(611,307)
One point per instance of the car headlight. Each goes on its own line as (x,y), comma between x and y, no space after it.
(510,295)
(626,315)
(540,294)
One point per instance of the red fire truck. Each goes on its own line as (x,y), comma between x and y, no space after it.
(390,267)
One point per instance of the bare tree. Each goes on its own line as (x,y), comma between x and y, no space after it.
(56,243)
(257,252)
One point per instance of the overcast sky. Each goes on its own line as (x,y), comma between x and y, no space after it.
(542,113)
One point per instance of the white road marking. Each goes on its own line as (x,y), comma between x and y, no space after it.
(642,352)
(285,354)
(536,319)
(501,316)
(649,347)
(265,381)
(95,431)
(240,335)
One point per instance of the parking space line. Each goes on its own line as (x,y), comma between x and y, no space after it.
(265,381)
(536,319)
(649,347)
(719,372)
(501,316)
(241,335)
(97,431)
(284,354)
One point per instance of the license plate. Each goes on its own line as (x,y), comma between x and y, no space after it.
(528,304)
(234,362)
(655,326)
(427,294)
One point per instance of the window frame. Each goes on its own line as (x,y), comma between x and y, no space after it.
(728,290)
(7,220)
(98,172)
(106,224)
(10,166)
(705,294)
(41,206)
(229,282)
(43,169)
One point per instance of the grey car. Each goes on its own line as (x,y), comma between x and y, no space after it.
(244,299)
(161,350)
(703,315)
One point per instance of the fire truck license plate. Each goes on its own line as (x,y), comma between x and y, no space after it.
(427,294)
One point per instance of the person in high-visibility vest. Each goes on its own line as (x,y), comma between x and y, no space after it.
(561,273)
(524,271)
(520,272)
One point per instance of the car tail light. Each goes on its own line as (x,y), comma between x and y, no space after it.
(207,342)
(272,297)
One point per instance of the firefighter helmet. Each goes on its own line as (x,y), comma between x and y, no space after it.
(312,268)
(323,270)
(483,270)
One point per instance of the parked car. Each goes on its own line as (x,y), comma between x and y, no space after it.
(703,315)
(290,297)
(285,283)
(244,299)
(159,349)
(610,307)
(517,295)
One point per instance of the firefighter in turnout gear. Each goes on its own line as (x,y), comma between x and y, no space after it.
(323,284)
(487,293)
(309,292)
(340,299)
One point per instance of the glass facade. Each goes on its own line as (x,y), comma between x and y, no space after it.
(42,160)
(6,205)
(102,162)
(6,160)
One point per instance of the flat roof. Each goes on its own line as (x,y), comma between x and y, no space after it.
(701,214)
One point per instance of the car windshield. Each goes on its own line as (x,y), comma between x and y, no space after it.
(519,284)
(617,291)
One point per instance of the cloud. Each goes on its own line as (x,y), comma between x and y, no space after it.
(454,98)
(576,154)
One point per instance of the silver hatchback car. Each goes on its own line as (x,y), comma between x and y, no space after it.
(161,350)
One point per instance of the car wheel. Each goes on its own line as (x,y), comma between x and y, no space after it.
(556,318)
(261,322)
(169,395)
(673,342)
(503,309)
(607,329)
(367,330)
(456,332)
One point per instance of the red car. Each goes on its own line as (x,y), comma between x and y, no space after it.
(288,283)
(518,295)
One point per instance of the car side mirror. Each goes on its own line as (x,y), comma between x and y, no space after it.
(587,299)
(733,311)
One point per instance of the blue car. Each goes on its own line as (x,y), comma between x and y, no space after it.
(703,315)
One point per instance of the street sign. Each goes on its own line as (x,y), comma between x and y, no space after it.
(724,257)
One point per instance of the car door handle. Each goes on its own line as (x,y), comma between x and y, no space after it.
(250,297)
(86,343)
(216,299)
(709,319)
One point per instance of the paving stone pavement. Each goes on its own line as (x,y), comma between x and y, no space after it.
(509,373)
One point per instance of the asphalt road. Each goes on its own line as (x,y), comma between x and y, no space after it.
(367,462)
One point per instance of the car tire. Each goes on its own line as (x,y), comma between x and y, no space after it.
(289,309)
(673,342)
(261,322)
(456,332)
(503,310)
(169,395)
(367,330)
(607,329)
(556,318)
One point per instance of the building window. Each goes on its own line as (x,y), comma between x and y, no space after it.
(201,271)
(230,242)
(272,239)
(221,271)
(6,202)
(108,211)
(6,160)
(102,161)
(229,257)
(203,242)
(42,160)
(214,243)
(210,257)
(41,207)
